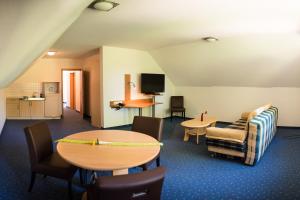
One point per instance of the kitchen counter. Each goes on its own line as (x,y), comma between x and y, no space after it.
(33,99)
(27,98)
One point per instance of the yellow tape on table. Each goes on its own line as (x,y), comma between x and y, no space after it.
(96,142)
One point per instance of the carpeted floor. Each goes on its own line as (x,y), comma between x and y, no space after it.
(191,172)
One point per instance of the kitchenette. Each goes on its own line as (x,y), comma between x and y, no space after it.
(34,101)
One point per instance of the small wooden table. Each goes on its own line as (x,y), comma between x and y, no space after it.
(105,157)
(197,127)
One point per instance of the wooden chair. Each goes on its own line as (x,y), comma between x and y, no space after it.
(140,186)
(42,158)
(151,126)
(177,105)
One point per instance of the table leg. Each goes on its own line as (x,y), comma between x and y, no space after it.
(120,172)
(84,196)
(197,135)
(186,135)
(140,112)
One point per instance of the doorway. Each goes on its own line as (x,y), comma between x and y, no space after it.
(72,89)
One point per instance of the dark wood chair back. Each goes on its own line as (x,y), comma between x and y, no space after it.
(177,102)
(39,142)
(148,125)
(140,186)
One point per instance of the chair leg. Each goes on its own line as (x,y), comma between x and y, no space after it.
(158,161)
(80,176)
(70,189)
(144,166)
(32,180)
(171,116)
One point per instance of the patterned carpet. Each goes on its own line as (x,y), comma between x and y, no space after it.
(191,172)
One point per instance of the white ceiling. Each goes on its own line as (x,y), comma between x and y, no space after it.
(260,33)
(149,25)
(259,40)
(264,60)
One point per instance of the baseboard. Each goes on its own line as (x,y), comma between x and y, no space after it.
(2,125)
(289,127)
(86,115)
(31,118)
(121,126)
(169,117)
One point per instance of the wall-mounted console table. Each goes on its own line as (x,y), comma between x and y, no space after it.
(134,103)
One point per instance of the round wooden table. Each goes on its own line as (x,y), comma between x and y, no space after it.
(106,157)
(197,127)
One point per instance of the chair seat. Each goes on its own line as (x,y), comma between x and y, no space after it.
(174,109)
(55,166)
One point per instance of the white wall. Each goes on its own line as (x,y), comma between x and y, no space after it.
(43,70)
(227,103)
(66,87)
(2,109)
(77,90)
(116,63)
(92,85)
(48,70)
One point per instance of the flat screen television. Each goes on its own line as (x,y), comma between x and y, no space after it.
(152,83)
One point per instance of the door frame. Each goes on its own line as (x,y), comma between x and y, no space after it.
(81,89)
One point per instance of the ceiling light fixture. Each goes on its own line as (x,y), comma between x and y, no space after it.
(51,53)
(103,5)
(210,39)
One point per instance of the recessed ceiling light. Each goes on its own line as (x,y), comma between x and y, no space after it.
(51,53)
(103,5)
(210,39)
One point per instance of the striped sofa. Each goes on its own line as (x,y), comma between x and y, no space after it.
(246,138)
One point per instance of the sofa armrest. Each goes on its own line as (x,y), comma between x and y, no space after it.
(226,134)
(245,115)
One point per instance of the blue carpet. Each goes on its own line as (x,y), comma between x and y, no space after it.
(191,172)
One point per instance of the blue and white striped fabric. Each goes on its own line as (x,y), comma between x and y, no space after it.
(262,129)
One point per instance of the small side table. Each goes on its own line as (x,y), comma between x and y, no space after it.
(197,127)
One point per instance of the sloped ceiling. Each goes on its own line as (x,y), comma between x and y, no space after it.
(264,60)
(257,38)
(30,27)
(259,41)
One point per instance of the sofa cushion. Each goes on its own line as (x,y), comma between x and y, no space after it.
(226,134)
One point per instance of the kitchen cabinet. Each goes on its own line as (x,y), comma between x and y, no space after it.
(32,109)
(53,105)
(37,109)
(12,107)
(24,109)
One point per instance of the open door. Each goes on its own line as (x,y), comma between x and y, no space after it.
(72,91)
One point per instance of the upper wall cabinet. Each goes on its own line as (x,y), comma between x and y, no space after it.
(50,88)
